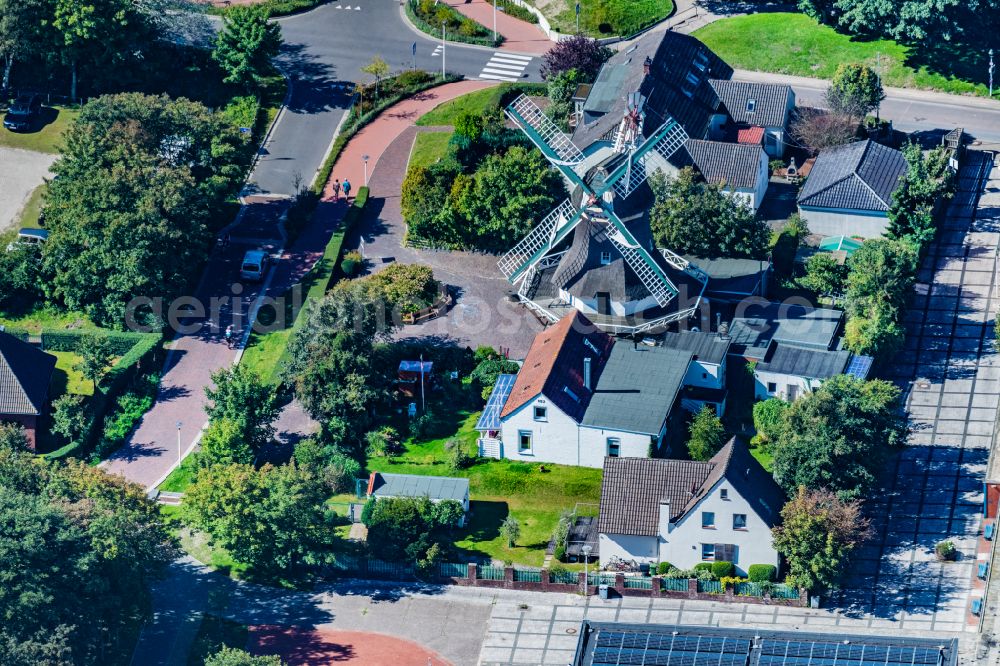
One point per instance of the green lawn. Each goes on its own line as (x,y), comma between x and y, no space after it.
(790,43)
(263,352)
(44,139)
(475,103)
(182,476)
(765,458)
(28,218)
(429,147)
(46,317)
(66,378)
(214,634)
(607,18)
(500,488)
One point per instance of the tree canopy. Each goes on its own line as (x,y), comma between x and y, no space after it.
(241,398)
(855,90)
(927,183)
(707,434)
(691,216)
(578,52)
(412,528)
(246,45)
(130,210)
(880,281)
(839,436)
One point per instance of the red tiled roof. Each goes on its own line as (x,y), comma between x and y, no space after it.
(555,363)
(750,135)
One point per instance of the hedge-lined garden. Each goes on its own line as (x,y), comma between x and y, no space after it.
(428,16)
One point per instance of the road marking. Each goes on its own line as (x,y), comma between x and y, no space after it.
(505,67)
(437,51)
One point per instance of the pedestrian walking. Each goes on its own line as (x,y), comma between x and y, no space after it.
(347,188)
(336,190)
(229,336)
(225,241)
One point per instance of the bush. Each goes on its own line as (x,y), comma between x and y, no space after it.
(945,551)
(352,263)
(242,111)
(703,566)
(722,569)
(762,573)
(559,554)
(421,425)
(129,408)
(427,16)
(459,459)
(341,472)
(663,568)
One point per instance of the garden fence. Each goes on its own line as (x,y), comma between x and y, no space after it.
(490,573)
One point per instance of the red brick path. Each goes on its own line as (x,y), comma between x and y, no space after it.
(519,36)
(316,647)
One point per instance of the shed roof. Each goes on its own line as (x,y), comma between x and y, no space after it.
(25,373)
(857,176)
(412,485)
(765,322)
(704,346)
(746,102)
(805,362)
(732,165)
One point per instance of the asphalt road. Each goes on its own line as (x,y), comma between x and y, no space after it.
(917,111)
(324,52)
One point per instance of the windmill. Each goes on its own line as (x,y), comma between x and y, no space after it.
(636,157)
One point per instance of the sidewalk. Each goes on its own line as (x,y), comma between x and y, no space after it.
(519,36)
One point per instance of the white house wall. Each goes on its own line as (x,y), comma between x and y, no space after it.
(782,382)
(832,222)
(705,375)
(627,547)
(561,440)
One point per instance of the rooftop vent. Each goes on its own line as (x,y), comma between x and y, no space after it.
(751,105)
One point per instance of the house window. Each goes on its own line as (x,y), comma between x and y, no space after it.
(724,493)
(708,519)
(692,78)
(771,387)
(739,521)
(541,413)
(605,258)
(751,105)
(524,441)
(708,552)
(614,447)
(725,552)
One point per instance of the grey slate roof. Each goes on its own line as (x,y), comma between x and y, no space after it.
(633,488)
(728,276)
(25,372)
(413,485)
(858,176)
(704,346)
(771,101)
(764,322)
(805,362)
(637,388)
(732,165)
(677,60)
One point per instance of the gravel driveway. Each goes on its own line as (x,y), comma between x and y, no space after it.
(21,171)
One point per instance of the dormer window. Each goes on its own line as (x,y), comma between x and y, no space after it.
(692,78)
(751,105)
(605,258)
(568,391)
(592,346)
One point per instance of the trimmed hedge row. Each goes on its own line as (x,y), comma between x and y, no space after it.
(18,333)
(435,31)
(70,341)
(277,7)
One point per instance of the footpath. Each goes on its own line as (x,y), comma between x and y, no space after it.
(519,36)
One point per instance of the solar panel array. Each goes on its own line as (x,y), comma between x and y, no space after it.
(819,653)
(616,648)
(490,418)
(859,366)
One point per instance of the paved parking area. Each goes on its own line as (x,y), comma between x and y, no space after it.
(25,171)
(951,376)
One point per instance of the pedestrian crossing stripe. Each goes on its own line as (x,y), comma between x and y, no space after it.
(437,51)
(504,66)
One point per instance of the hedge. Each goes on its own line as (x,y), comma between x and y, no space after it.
(139,357)
(18,333)
(435,31)
(762,573)
(722,569)
(276,7)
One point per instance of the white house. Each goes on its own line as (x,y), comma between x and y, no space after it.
(581,396)
(435,488)
(756,113)
(740,169)
(849,190)
(705,380)
(685,512)
(789,371)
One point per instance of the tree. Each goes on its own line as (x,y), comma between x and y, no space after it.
(824,275)
(224,443)
(855,90)
(402,288)
(581,53)
(415,529)
(246,45)
(228,656)
(239,396)
(769,419)
(819,531)
(927,181)
(377,68)
(510,530)
(707,434)
(818,130)
(130,209)
(272,519)
(690,216)
(22,32)
(880,280)
(96,356)
(94,30)
(21,277)
(69,417)
(486,372)
(839,436)
(13,438)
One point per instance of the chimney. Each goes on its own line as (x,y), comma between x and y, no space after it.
(646,65)
(586,373)
(663,522)
(718,321)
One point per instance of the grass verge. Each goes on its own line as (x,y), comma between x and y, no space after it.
(607,18)
(790,43)
(277,7)
(475,103)
(182,476)
(32,210)
(46,135)
(428,148)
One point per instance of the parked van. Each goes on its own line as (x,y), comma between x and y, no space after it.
(254,265)
(29,237)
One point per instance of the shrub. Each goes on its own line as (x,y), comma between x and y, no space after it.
(559,553)
(352,263)
(421,425)
(663,568)
(383,442)
(703,566)
(242,111)
(945,551)
(722,569)
(340,473)
(762,573)
(459,459)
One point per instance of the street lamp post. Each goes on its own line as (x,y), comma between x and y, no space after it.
(586,567)
(179,424)
(494,21)
(578,18)
(443,47)
(992,67)
(364,158)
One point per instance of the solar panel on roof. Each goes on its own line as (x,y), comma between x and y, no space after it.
(490,418)
(859,366)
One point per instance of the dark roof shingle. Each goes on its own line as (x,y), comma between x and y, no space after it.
(771,102)
(857,176)
(732,165)
(804,362)
(25,373)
